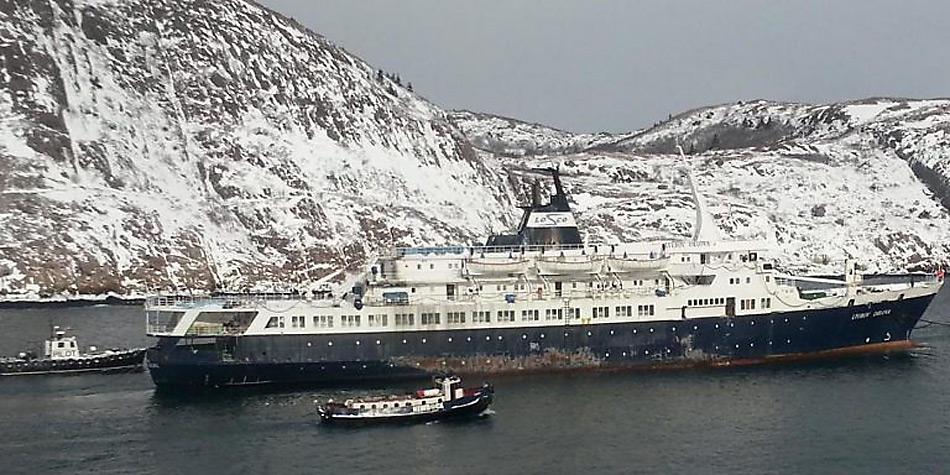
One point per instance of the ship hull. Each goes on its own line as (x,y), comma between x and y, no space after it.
(715,341)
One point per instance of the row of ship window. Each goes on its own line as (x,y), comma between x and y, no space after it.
(455,318)
(744,304)
(749,304)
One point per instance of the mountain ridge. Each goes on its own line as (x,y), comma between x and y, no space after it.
(216,145)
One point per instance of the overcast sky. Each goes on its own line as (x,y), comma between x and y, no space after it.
(619,65)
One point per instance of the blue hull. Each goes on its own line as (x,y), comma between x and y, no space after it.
(346,358)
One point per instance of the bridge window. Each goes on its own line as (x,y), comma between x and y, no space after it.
(275,322)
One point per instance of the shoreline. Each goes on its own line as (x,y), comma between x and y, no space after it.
(71,301)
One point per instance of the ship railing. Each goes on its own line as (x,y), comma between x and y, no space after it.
(599,248)
(218,301)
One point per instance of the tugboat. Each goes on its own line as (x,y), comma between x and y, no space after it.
(62,355)
(448,400)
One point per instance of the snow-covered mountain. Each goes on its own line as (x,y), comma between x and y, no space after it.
(516,138)
(209,144)
(861,180)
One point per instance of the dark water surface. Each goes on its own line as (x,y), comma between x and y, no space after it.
(869,415)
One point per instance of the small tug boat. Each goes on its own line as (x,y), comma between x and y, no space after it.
(62,355)
(448,400)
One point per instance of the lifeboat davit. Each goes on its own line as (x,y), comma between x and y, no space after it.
(563,266)
(636,265)
(497,266)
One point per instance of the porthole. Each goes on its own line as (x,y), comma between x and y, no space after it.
(468,338)
(634,331)
(695,328)
(450,339)
(357,343)
(542,336)
(329,343)
(717,325)
(403,341)
(651,330)
(377,342)
(588,333)
(423,340)
(565,334)
(646,352)
(309,344)
(752,322)
(674,329)
(487,337)
(867,340)
(788,341)
(499,337)
(524,337)
(611,332)
(606,355)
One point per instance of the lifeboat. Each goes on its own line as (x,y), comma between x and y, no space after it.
(636,265)
(572,265)
(497,266)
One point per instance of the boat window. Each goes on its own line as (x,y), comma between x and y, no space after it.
(530,315)
(748,280)
(275,322)
(404,319)
(645,310)
(61,345)
(506,315)
(455,317)
(431,318)
(624,310)
(481,317)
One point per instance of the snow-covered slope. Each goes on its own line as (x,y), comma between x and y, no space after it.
(211,144)
(861,180)
(516,138)
(206,144)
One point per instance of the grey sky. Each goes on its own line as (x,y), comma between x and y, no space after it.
(618,65)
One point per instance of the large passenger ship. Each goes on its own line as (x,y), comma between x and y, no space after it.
(539,299)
